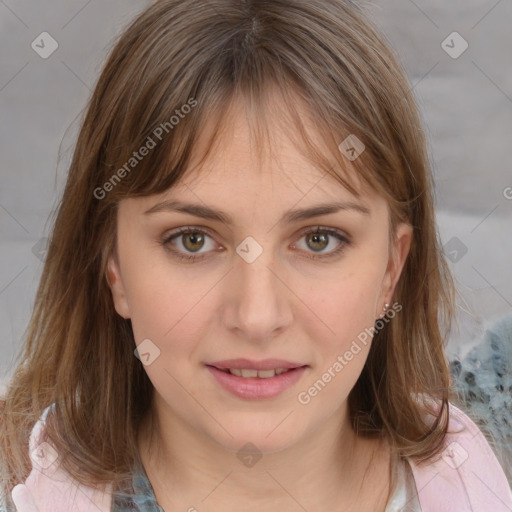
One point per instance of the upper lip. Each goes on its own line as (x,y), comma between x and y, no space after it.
(248,364)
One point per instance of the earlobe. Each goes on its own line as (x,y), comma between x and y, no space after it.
(115,282)
(398,257)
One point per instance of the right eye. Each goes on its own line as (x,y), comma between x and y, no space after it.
(186,239)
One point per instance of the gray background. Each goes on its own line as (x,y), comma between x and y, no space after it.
(466,105)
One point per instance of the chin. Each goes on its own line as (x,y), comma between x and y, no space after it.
(267,436)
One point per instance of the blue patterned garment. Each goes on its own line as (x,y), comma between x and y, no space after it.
(139,498)
(483,380)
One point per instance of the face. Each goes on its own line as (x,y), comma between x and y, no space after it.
(258,285)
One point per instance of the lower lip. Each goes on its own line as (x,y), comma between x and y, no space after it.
(256,388)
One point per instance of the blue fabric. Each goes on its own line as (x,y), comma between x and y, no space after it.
(483,380)
(139,497)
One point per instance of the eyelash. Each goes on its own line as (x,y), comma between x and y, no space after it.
(317,230)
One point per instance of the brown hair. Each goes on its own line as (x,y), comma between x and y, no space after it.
(326,53)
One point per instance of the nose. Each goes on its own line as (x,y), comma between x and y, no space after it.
(257,303)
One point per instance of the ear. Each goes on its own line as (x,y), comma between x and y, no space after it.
(115,282)
(397,257)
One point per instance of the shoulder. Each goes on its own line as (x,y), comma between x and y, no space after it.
(466,476)
(49,487)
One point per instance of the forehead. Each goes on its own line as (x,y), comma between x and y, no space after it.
(231,188)
(263,148)
(246,159)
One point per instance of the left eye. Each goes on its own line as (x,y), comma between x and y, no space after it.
(319,238)
(193,240)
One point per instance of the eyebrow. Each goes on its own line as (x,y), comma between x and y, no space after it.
(290,216)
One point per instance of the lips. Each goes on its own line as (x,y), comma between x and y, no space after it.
(256,379)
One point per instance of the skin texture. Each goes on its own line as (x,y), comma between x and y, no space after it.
(283,305)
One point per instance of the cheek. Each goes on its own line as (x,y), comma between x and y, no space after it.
(169,306)
(157,302)
(167,310)
(345,304)
(342,337)
(151,306)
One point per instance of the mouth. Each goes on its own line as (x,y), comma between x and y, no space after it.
(256,380)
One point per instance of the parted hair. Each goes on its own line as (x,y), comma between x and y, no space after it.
(78,353)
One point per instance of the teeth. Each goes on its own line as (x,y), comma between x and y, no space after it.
(262,374)
(248,373)
(265,374)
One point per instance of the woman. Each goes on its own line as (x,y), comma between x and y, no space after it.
(245,302)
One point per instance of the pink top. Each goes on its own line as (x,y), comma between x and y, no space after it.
(465,478)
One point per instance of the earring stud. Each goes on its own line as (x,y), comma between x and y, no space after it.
(385,308)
